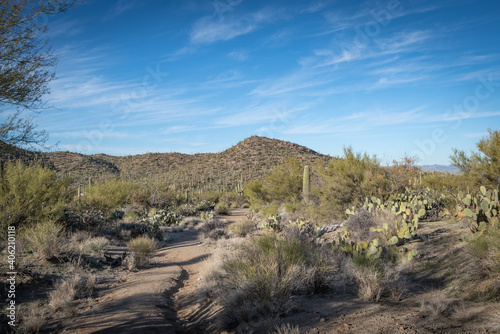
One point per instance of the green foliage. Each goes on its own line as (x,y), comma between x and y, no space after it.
(222,208)
(31,194)
(166,218)
(110,194)
(348,181)
(270,210)
(205,205)
(282,185)
(483,164)
(187,210)
(142,249)
(481,210)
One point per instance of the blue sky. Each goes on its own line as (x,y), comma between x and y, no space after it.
(388,77)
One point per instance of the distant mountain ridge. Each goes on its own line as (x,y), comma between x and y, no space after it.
(441,168)
(250,158)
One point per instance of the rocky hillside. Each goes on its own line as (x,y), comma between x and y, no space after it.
(250,158)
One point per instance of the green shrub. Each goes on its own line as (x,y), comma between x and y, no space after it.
(187,210)
(484,164)
(109,195)
(30,194)
(271,210)
(204,205)
(94,245)
(348,181)
(222,208)
(485,247)
(163,217)
(142,249)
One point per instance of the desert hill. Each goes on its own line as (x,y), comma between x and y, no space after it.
(250,158)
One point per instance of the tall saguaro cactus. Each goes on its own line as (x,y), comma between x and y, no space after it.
(305,184)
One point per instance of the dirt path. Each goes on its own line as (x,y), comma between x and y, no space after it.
(147,301)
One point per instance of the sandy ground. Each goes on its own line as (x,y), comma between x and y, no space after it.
(159,299)
(147,301)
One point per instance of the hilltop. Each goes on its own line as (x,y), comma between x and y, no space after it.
(250,158)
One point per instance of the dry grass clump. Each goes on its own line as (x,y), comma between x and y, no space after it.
(45,239)
(243,227)
(286,329)
(375,279)
(436,304)
(94,245)
(496,323)
(67,290)
(213,229)
(359,224)
(258,278)
(32,319)
(462,313)
(142,250)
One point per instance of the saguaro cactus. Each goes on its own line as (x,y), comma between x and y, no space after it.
(305,184)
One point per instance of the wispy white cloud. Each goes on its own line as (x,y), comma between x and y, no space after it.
(210,29)
(357,122)
(121,7)
(239,55)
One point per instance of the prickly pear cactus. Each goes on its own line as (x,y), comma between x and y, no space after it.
(482,210)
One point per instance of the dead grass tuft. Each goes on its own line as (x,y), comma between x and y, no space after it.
(285,329)
(436,304)
(32,319)
(69,289)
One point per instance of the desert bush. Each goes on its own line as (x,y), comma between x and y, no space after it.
(482,165)
(403,173)
(45,239)
(436,304)
(142,250)
(187,210)
(108,195)
(205,205)
(243,227)
(262,274)
(348,181)
(375,277)
(232,197)
(30,194)
(163,217)
(485,248)
(32,319)
(67,290)
(360,223)
(222,208)
(94,245)
(213,229)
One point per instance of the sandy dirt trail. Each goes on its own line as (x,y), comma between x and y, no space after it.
(146,301)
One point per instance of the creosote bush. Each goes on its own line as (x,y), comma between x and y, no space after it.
(31,194)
